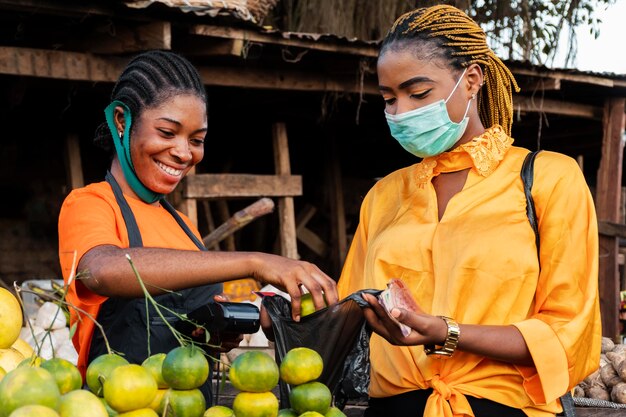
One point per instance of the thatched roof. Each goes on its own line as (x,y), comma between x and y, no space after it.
(248,10)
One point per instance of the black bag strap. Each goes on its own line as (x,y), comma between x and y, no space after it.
(527,174)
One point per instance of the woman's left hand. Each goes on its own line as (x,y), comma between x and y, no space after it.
(425,328)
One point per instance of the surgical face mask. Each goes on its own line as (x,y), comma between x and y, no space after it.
(428,131)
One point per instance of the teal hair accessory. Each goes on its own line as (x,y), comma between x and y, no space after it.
(122,147)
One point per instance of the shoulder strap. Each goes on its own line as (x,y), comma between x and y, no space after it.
(527,175)
(171,210)
(134,237)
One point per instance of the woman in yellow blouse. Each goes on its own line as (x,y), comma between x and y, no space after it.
(520,330)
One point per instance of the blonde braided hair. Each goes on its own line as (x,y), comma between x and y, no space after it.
(456,37)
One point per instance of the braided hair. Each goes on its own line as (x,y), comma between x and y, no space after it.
(148,80)
(445,32)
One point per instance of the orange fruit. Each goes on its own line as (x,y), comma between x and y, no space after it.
(255,404)
(254,371)
(33,360)
(287,412)
(23,347)
(65,373)
(111,412)
(2,373)
(142,412)
(219,411)
(184,403)
(34,411)
(81,402)
(307,306)
(10,359)
(312,396)
(311,414)
(185,367)
(157,403)
(129,387)
(154,364)
(301,365)
(10,319)
(99,370)
(334,412)
(28,386)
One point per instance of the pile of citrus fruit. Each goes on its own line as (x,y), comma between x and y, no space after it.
(255,374)
(163,385)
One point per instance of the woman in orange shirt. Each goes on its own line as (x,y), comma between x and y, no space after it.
(155,130)
(506,327)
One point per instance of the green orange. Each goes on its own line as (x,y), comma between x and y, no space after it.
(307,306)
(157,402)
(99,370)
(219,411)
(81,402)
(32,360)
(334,412)
(184,403)
(28,386)
(129,387)
(255,404)
(301,365)
(34,411)
(185,367)
(254,371)
(311,414)
(142,412)
(287,412)
(312,396)
(154,364)
(65,373)
(111,412)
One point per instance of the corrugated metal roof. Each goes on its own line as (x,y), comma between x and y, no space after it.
(247,10)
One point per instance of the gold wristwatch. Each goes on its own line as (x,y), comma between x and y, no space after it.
(449,345)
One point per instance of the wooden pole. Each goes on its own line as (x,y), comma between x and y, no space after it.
(74,163)
(607,200)
(288,239)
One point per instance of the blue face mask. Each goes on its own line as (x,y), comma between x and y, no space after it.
(122,147)
(428,131)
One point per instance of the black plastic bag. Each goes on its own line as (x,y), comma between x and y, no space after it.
(338,333)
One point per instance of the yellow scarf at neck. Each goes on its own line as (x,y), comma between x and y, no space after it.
(483,154)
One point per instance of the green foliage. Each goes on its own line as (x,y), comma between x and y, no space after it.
(531,30)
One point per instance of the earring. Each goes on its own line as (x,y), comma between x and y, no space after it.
(473,96)
(121,135)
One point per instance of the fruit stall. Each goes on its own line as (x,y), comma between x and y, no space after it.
(311,103)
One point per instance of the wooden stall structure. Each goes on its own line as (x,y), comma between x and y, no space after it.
(85,44)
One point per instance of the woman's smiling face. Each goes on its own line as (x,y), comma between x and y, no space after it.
(167,141)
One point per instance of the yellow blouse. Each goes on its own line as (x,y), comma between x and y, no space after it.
(479,265)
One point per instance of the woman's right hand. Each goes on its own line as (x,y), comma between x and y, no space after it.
(425,328)
(289,274)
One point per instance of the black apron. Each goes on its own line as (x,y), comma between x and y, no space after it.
(124,319)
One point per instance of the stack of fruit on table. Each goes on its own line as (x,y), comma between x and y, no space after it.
(165,385)
(255,374)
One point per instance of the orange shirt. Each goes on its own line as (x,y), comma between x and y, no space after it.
(479,265)
(90,217)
